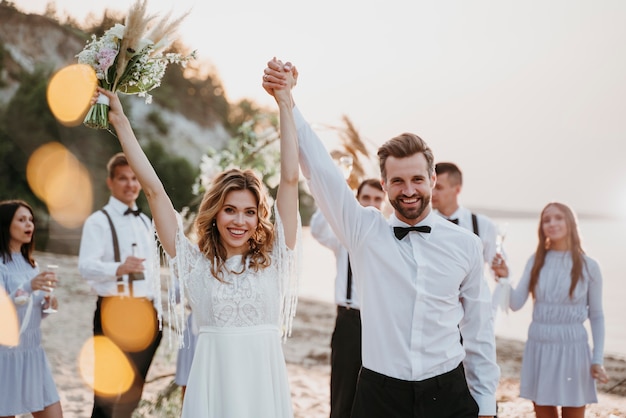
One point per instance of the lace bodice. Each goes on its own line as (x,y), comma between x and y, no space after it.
(249,298)
(246,299)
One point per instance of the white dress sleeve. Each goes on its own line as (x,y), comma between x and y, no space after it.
(289,267)
(179,269)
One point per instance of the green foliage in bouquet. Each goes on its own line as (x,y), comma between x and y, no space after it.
(130,58)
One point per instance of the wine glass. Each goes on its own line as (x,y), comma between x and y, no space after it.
(50,268)
(500,235)
(345,164)
(503,282)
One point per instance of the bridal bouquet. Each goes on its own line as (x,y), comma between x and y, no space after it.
(129,58)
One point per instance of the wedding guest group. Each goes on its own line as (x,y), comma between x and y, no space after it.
(419,279)
(240,276)
(26,382)
(558,367)
(116,258)
(345,358)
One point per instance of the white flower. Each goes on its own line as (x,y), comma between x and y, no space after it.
(87,56)
(117,31)
(143,43)
(143,71)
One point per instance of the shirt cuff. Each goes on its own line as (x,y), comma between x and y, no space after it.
(486,405)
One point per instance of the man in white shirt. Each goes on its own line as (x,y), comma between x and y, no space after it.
(420,280)
(446,203)
(345,358)
(115,258)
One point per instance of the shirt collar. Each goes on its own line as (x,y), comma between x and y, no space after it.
(430,220)
(119,206)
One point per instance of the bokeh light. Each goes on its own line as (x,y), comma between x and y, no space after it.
(130,335)
(69,93)
(60,180)
(104,367)
(9,325)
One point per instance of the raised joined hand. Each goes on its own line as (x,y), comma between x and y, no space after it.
(279,76)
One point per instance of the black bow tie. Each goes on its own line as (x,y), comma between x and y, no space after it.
(129,211)
(402,232)
(454,221)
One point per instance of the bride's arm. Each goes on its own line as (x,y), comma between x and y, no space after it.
(287,196)
(161,206)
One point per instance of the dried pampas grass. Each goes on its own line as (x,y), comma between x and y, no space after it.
(135,37)
(162,32)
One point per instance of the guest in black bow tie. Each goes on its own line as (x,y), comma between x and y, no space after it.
(135,212)
(115,258)
(446,203)
(416,292)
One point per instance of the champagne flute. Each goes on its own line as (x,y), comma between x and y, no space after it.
(503,282)
(500,235)
(52,269)
(345,164)
(133,277)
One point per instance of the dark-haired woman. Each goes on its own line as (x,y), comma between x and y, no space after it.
(26,384)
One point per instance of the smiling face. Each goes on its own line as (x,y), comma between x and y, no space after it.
(22,229)
(409,187)
(237,221)
(555,228)
(124,185)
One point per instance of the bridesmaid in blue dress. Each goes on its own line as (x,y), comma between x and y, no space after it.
(558,367)
(25,376)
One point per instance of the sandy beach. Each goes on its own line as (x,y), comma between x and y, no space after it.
(307,354)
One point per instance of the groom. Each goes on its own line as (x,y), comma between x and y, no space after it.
(420,281)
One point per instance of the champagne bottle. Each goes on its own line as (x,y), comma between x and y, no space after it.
(133,277)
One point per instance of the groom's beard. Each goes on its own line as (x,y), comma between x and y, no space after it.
(411,213)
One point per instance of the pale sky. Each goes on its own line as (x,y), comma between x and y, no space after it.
(527,97)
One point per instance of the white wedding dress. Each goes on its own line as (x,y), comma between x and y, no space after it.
(239,368)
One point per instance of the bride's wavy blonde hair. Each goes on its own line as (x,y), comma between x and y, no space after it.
(209,239)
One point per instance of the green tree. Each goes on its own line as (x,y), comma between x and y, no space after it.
(176,173)
(28,118)
(255,146)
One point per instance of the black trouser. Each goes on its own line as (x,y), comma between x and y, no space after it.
(345,361)
(443,396)
(123,405)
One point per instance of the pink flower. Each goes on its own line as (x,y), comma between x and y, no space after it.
(105,58)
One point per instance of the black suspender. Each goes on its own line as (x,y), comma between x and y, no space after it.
(116,246)
(116,251)
(475,223)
